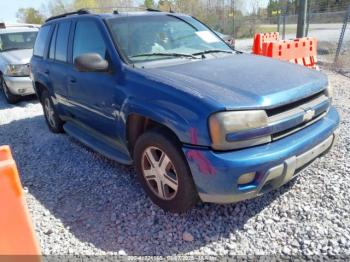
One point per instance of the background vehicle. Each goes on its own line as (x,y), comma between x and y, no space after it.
(227,38)
(197,119)
(16,49)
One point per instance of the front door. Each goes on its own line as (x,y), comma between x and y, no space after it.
(93,94)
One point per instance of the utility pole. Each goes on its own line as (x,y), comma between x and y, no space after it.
(285,11)
(302,18)
(342,34)
(233,9)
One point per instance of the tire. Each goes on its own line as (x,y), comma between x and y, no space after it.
(10,98)
(53,121)
(178,192)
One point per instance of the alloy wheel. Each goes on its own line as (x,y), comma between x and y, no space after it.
(160,173)
(49,112)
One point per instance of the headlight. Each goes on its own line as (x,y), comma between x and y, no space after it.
(17,70)
(223,125)
(330,91)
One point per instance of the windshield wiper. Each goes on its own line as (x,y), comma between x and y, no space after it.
(213,51)
(165,54)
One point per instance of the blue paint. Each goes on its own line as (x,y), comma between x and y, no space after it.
(182,94)
(230,165)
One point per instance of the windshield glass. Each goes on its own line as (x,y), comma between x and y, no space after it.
(154,37)
(18,40)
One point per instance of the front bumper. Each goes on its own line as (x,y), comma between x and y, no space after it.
(216,174)
(21,86)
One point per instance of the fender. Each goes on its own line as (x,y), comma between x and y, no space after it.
(170,115)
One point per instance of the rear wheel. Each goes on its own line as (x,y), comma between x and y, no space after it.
(163,171)
(10,98)
(53,121)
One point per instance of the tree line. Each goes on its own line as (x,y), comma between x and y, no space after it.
(220,14)
(291,7)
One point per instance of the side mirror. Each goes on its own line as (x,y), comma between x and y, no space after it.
(91,62)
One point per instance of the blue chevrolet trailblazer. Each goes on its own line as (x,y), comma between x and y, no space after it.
(199,120)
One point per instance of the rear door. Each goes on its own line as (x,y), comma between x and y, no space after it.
(39,67)
(93,93)
(58,60)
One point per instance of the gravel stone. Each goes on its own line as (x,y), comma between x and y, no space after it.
(122,253)
(286,251)
(82,203)
(187,237)
(49,232)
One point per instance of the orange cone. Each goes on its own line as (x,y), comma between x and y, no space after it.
(16,231)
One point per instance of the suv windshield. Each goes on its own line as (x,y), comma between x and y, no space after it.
(18,40)
(154,37)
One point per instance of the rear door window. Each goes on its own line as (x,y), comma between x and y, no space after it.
(61,49)
(53,45)
(40,43)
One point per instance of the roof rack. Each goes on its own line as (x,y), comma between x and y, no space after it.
(78,12)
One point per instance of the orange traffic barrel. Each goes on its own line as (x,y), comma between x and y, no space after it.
(17,235)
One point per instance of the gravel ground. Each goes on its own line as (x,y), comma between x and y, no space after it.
(83,203)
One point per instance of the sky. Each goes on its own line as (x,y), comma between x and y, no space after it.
(8,8)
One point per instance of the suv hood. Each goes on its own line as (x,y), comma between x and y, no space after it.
(17,57)
(243,81)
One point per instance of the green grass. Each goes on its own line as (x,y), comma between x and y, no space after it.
(269,29)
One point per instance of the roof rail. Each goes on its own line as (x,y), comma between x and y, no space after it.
(157,10)
(78,12)
(153,10)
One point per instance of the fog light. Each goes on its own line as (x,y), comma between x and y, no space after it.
(246,178)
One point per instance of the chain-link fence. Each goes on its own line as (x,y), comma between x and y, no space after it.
(342,56)
(326,23)
(331,29)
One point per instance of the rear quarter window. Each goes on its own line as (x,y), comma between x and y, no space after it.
(41,40)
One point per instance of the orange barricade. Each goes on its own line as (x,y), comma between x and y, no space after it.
(260,39)
(301,51)
(16,231)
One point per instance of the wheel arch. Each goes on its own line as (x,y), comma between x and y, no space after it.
(39,89)
(138,124)
(187,124)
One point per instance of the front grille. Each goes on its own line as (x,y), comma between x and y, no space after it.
(297,128)
(288,107)
(294,117)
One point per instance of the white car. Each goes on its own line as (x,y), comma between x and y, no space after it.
(16,49)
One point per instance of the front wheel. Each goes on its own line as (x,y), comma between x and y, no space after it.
(163,171)
(10,98)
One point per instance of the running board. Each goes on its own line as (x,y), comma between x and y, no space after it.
(97,142)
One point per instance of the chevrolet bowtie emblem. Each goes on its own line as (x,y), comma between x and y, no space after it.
(309,115)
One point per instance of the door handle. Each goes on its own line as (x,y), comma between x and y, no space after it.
(72,80)
(47,72)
